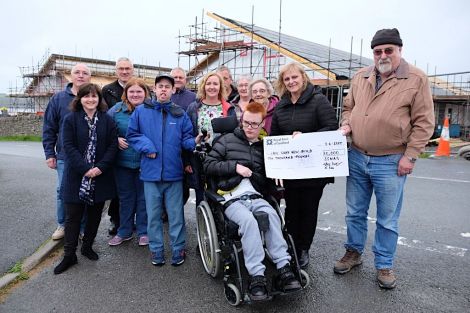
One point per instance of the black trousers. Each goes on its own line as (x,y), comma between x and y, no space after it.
(73,218)
(302,213)
(113,212)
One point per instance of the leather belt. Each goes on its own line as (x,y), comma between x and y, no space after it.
(252,196)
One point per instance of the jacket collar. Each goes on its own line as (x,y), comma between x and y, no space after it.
(304,97)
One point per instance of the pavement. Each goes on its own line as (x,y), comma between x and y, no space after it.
(432,260)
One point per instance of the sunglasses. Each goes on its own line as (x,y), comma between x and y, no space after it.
(387,51)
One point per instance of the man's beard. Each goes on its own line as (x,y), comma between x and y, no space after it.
(385,66)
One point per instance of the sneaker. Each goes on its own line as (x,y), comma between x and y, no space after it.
(257,289)
(116,240)
(350,259)
(81,235)
(143,240)
(158,258)
(178,257)
(386,278)
(286,280)
(59,233)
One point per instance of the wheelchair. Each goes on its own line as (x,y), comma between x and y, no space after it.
(218,239)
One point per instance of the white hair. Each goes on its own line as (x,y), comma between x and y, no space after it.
(124,59)
(80,64)
(178,69)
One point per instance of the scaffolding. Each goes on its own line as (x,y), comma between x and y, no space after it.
(249,49)
(244,51)
(451,93)
(52,73)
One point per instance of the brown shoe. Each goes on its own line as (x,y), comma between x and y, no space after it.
(350,259)
(386,278)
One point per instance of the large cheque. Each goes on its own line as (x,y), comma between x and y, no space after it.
(307,155)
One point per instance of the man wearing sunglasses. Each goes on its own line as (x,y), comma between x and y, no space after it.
(389,115)
(237,159)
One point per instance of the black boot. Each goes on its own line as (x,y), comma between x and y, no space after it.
(257,288)
(286,280)
(89,253)
(304,258)
(66,262)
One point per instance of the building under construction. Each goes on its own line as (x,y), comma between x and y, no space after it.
(52,74)
(246,48)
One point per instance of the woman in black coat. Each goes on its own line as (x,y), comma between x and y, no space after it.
(90,143)
(302,109)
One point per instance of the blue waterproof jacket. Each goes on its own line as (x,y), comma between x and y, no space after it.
(128,158)
(57,108)
(164,129)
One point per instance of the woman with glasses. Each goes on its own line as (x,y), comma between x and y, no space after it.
(210,104)
(241,101)
(302,109)
(261,91)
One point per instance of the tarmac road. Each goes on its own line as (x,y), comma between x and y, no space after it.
(27,204)
(432,261)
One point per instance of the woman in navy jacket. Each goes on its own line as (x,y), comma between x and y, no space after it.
(90,143)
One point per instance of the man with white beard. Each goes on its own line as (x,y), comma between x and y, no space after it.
(389,115)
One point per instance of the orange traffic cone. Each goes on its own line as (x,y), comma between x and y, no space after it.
(444,146)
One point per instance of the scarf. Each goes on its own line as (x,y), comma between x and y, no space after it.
(87,186)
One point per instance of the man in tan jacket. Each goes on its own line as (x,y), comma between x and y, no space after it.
(389,115)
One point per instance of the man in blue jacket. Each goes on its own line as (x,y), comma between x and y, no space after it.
(160,130)
(57,108)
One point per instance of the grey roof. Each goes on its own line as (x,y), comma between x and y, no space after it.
(341,63)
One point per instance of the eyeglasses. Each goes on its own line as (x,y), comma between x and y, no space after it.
(387,51)
(258,91)
(253,125)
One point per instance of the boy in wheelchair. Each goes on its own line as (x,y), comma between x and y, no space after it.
(236,159)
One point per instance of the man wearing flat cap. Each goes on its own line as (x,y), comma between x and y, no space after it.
(389,115)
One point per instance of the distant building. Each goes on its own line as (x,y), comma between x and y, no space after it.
(52,74)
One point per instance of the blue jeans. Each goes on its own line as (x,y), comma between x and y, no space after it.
(378,174)
(132,202)
(60,203)
(172,192)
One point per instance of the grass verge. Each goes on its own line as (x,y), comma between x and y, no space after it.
(21,138)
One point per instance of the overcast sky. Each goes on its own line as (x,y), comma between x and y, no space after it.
(436,34)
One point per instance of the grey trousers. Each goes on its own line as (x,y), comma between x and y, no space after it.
(240,212)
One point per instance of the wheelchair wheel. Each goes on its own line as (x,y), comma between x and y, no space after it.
(305,278)
(232,294)
(207,240)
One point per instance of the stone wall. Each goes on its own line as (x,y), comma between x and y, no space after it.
(27,124)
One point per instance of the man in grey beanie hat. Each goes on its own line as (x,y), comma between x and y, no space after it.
(389,115)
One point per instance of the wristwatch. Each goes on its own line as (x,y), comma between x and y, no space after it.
(412,160)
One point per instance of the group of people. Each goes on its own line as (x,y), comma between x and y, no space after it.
(119,143)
